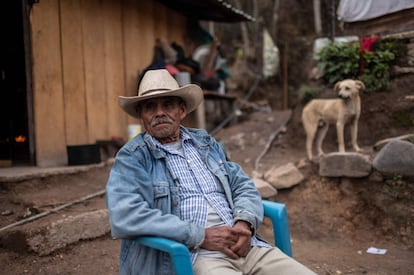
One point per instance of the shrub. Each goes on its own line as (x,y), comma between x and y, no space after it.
(339,61)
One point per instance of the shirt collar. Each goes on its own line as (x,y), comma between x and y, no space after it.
(184,137)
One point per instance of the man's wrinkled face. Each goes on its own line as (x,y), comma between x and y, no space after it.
(162,117)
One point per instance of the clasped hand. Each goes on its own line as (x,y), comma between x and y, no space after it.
(233,241)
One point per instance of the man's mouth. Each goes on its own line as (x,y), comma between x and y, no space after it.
(160,121)
(161,124)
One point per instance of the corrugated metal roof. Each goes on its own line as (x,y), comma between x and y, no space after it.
(208,10)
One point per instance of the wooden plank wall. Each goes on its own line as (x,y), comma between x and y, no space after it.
(47,85)
(391,23)
(76,123)
(114,68)
(85,54)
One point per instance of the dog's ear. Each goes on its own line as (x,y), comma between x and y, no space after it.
(336,87)
(360,85)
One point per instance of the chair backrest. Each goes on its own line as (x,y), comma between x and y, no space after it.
(181,255)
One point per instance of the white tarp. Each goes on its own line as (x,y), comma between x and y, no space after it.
(360,10)
(270,56)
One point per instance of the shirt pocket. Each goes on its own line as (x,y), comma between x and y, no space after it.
(218,169)
(161,195)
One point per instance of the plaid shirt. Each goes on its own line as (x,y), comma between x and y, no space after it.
(198,187)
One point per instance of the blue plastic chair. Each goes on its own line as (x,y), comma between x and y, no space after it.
(181,255)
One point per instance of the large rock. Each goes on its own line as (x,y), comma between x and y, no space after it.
(266,190)
(397,157)
(284,176)
(353,165)
(69,230)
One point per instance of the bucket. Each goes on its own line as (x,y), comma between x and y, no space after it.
(133,130)
(83,154)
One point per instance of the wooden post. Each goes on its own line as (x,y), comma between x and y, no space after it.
(285,78)
(317,16)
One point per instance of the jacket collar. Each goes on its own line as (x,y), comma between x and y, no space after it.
(200,138)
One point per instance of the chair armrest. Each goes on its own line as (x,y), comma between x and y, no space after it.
(277,213)
(179,253)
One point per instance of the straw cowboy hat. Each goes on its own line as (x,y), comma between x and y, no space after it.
(160,83)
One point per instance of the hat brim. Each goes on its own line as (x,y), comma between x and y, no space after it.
(191,94)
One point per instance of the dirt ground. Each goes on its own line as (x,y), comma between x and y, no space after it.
(332,221)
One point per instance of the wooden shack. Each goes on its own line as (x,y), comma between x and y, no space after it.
(395,22)
(74,58)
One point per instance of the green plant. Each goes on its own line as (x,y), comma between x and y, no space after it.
(397,177)
(396,186)
(339,61)
(397,46)
(376,74)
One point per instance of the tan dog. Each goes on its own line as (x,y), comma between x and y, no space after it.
(339,112)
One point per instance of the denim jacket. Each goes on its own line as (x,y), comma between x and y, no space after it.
(143,199)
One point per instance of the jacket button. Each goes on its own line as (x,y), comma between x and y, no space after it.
(175,203)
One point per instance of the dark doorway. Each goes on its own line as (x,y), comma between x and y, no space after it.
(15,138)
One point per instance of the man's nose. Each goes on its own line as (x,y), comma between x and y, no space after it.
(159,110)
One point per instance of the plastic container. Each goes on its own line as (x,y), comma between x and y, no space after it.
(83,154)
(133,130)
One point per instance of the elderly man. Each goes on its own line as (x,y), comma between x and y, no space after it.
(175,182)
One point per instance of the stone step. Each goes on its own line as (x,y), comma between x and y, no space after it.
(45,209)
(44,238)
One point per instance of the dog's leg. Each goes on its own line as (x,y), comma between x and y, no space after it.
(321,136)
(310,129)
(354,135)
(340,135)
(309,142)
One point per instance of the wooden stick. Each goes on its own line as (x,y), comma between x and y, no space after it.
(285,79)
(54,210)
(269,142)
